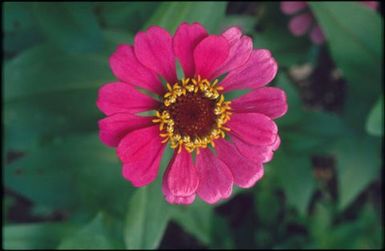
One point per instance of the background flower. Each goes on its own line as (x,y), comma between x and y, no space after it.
(303,21)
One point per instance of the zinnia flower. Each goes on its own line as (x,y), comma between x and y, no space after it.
(304,21)
(216,142)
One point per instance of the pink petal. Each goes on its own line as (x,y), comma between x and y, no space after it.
(270,101)
(120,97)
(141,151)
(232,34)
(258,71)
(209,55)
(216,180)
(291,7)
(276,144)
(371,4)
(240,50)
(300,24)
(316,35)
(255,153)
(113,128)
(180,180)
(154,50)
(253,128)
(128,69)
(170,198)
(185,40)
(245,172)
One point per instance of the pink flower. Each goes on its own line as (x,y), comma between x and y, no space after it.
(192,113)
(303,21)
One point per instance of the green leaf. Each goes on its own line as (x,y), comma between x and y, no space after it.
(170,14)
(375,120)
(358,164)
(115,38)
(220,229)
(37,121)
(196,220)
(45,70)
(148,212)
(42,89)
(17,16)
(125,16)
(78,174)
(321,221)
(322,123)
(20,29)
(35,235)
(267,202)
(314,132)
(295,177)
(356,44)
(92,236)
(365,227)
(72,27)
(147,217)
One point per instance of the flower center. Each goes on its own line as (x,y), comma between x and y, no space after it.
(193,114)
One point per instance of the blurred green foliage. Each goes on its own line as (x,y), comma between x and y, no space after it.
(56,58)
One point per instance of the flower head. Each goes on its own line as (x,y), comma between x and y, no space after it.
(216,142)
(304,21)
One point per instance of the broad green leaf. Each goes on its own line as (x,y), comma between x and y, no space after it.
(299,142)
(267,202)
(45,70)
(321,221)
(147,217)
(41,90)
(196,220)
(314,132)
(353,32)
(72,27)
(125,16)
(17,16)
(77,174)
(358,164)
(148,212)
(375,120)
(325,124)
(94,235)
(35,235)
(115,38)
(295,177)
(19,28)
(366,228)
(38,120)
(221,233)
(170,14)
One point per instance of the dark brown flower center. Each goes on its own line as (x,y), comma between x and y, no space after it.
(193,115)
